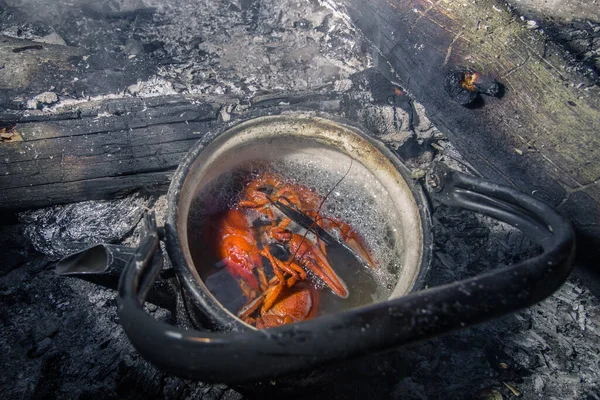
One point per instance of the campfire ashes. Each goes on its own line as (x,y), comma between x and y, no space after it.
(61,337)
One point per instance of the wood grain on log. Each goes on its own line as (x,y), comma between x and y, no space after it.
(102,149)
(542,136)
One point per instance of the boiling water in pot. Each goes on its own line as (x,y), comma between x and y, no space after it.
(357,202)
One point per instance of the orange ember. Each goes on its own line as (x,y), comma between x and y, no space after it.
(469,80)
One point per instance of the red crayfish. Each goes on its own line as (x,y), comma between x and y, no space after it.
(287,296)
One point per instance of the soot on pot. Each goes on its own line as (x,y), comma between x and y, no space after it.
(222,223)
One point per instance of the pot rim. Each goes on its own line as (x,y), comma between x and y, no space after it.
(216,316)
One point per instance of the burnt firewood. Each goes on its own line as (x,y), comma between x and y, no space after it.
(464,85)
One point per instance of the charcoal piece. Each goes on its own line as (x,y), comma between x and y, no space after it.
(460,94)
(61,230)
(464,85)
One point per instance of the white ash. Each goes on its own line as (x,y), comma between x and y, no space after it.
(238,48)
(218,53)
(42,99)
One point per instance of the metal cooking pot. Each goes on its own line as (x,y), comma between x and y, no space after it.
(230,351)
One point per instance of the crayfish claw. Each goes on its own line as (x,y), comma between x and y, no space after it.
(357,246)
(311,257)
(352,240)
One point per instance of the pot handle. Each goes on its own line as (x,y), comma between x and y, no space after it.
(252,355)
